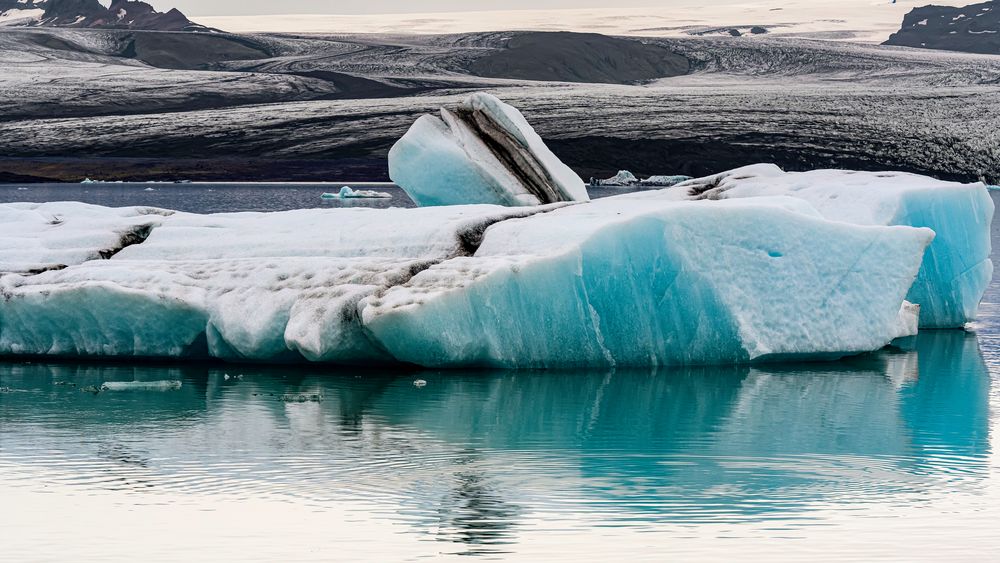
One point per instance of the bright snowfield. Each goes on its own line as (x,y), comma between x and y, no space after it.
(956,269)
(488,148)
(870,21)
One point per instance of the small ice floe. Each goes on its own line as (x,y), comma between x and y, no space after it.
(420,383)
(227,377)
(347,193)
(22,189)
(302,398)
(664,181)
(88,181)
(622,179)
(149,190)
(141,386)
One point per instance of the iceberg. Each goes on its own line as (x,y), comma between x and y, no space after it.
(484,152)
(956,269)
(664,181)
(347,193)
(623,178)
(629,283)
(609,283)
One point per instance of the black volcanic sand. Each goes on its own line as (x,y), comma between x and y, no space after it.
(41,170)
(579,57)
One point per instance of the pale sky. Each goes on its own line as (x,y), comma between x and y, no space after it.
(195,8)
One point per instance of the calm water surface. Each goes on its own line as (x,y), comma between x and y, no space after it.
(889,456)
(218,198)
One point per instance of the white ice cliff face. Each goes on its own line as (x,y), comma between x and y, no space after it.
(484,152)
(608,283)
(956,269)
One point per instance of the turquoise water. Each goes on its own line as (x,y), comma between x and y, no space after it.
(889,456)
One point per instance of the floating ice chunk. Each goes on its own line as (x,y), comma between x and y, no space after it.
(347,193)
(483,152)
(628,283)
(141,386)
(664,181)
(623,178)
(956,269)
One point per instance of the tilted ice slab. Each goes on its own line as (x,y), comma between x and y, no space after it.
(618,283)
(608,283)
(956,269)
(483,152)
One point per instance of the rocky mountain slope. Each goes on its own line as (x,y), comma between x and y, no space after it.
(972,29)
(121,14)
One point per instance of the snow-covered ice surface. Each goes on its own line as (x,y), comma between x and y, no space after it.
(956,269)
(484,152)
(612,282)
(37,237)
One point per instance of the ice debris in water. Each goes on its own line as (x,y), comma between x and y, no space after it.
(347,192)
(622,179)
(141,386)
(482,152)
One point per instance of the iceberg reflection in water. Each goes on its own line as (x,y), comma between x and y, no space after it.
(476,459)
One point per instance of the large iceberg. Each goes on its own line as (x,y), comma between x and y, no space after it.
(613,282)
(483,152)
(956,269)
(618,283)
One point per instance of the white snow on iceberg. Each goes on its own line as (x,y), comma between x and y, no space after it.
(483,152)
(36,237)
(956,269)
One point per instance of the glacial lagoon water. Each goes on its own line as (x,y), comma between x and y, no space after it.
(891,455)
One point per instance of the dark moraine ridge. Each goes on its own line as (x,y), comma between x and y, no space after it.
(971,29)
(579,57)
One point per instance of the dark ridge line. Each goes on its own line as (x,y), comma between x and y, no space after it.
(137,234)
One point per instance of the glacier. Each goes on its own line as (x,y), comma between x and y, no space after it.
(956,269)
(483,152)
(612,282)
